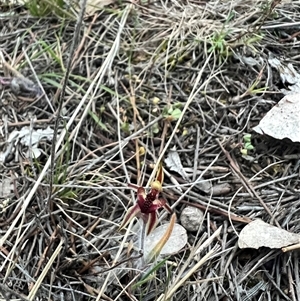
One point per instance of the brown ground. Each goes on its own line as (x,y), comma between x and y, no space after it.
(133,62)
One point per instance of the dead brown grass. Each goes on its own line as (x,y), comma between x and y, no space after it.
(203,57)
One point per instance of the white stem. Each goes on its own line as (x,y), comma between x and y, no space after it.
(142,243)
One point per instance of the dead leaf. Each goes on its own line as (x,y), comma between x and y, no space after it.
(175,243)
(173,162)
(288,75)
(260,234)
(6,187)
(93,6)
(283,120)
(30,138)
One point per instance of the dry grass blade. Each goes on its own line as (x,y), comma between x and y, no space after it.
(177,285)
(48,266)
(180,280)
(186,106)
(146,77)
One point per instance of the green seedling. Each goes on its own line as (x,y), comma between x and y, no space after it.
(154,129)
(171,113)
(218,41)
(98,121)
(125,127)
(149,275)
(254,88)
(247,146)
(42,8)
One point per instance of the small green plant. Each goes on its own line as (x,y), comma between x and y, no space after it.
(247,146)
(171,113)
(267,9)
(42,8)
(98,121)
(150,274)
(218,43)
(254,90)
(154,130)
(125,127)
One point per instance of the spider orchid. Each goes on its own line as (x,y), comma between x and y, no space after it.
(147,203)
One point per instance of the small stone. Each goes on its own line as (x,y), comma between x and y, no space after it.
(191,218)
(23,85)
(221,189)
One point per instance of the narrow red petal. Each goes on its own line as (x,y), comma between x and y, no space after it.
(141,196)
(131,213)
(141,192)
(152,221)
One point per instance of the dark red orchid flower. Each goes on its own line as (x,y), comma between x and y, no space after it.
(147,204)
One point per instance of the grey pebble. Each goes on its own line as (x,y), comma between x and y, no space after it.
(191,218)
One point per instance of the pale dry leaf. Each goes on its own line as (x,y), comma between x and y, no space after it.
(176,242)
(93,6)
(260,234)
(6,187)
(33,137)
(288,75)
(204,185)
(173,162)
(30,138)
(283,120)
(175,183)
(27,136)
(13,3)
(248,60)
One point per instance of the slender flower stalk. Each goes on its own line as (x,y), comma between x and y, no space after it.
(142,242)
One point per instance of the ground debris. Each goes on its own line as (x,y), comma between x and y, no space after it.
(207,59)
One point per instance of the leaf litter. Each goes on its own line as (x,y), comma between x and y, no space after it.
(283,120)
(176,242)
(30,139)
(173,162)
(259,234)
(130,53)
